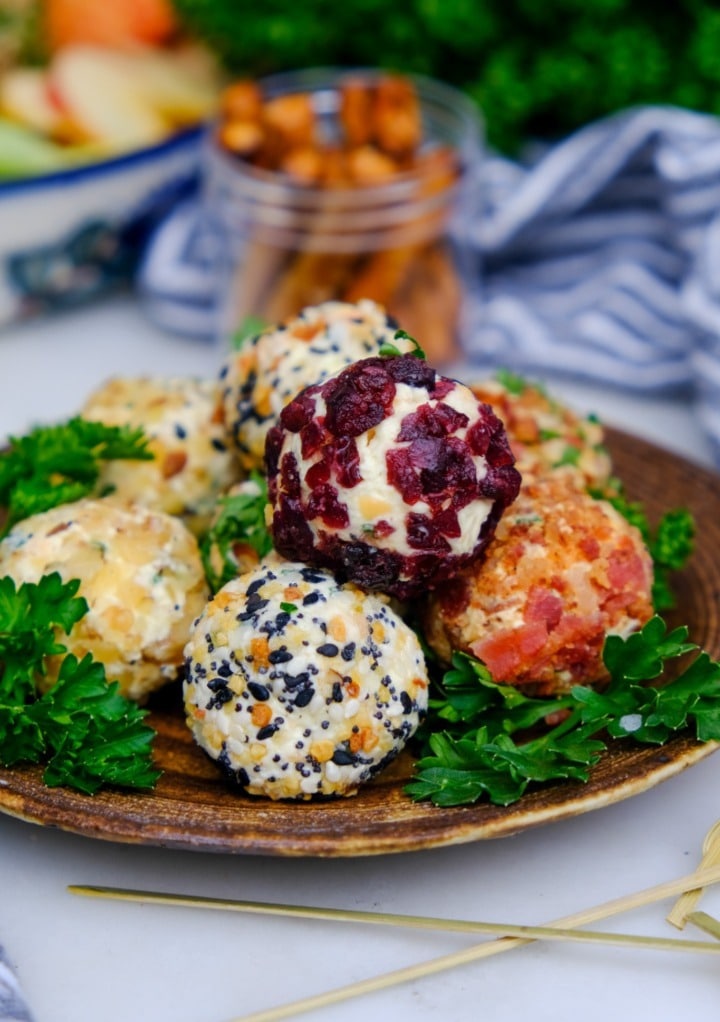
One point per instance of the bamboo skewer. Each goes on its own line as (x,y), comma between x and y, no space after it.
(689,899)
(704,922)
(394,919)
(700,878)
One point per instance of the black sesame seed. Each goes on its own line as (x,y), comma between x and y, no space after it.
(348,652)
(328,649)
(304,696)
(341,757)
(311,598)
(337,692)
(218,444)
(258,691)
(406,701)
(280,656)
(266,732)
(180,431)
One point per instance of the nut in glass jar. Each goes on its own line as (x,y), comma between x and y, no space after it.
(343,185)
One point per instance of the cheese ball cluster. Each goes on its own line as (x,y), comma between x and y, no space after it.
(140,573)
(562,572)
(389,475)
(545,435)
(299,686)
(193,463)
(271,368)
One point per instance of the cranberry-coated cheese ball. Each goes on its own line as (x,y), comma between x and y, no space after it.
(562,572)
(140,573)
(298,686)
(389,475)
(270,369)
(193,464)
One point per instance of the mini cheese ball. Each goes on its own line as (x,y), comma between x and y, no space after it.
(389,475)
(299,686)
(545,435)
(192,463)
(270,369)
(563,571)
(140,573)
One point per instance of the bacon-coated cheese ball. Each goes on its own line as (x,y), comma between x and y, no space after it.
(562,572)
(140,573)
(389,475)
(299,686)
(193,463)
(270,369)
(545,435)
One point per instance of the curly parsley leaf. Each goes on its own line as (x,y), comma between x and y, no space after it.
(58,464)
(241,522)
(470,752)
(83,728)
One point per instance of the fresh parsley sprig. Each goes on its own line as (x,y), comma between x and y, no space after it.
(57,464)
(241,520)
(482,739)
(83,728)
(389,350)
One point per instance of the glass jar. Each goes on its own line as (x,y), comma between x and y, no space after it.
(400,242)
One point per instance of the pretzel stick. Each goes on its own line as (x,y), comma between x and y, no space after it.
(706,923)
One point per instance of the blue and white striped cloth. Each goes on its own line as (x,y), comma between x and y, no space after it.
(12,1004)
(601,260)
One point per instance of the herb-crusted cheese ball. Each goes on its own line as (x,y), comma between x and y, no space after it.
(562,572)
(389,475)
(545,435)
(192,462)
(299,686)
(140,573)
(271,368)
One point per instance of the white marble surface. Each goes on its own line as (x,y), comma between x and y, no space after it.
(82,961)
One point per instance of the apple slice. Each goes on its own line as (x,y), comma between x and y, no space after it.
(182,90)
(95,87)
(24,97)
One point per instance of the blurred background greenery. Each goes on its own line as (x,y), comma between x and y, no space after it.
(537,68)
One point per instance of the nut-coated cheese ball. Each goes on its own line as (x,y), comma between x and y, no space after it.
(545,435)
(140,573)
(299,686)
(562,571)
(192,462)
(270,369)
(389,475)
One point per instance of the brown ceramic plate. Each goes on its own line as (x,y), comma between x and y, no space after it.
(192,808)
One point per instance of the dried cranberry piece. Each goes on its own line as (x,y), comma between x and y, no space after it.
(292,536)
(323,503)
(423,534)
(318,474)
(432,421)
(300,411)
(346,461)
(409,369)
(312,436)
(358,398)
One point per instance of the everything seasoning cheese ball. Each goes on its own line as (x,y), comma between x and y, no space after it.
(192,465)
(299,686)
(389,475)
(140,573)
(270,369)
(562,571)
